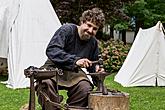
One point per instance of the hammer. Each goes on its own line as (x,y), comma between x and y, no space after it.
(99,62)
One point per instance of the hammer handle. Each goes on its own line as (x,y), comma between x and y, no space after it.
(94,62)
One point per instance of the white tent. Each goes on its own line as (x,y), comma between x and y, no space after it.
(144,65)
(26,26)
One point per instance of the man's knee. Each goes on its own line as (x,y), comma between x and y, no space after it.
(84,87)
(45,84)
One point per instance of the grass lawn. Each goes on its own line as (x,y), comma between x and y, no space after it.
(141,98)
(11,99)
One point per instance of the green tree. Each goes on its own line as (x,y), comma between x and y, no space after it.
(146,12)
(157,12)
(70,11)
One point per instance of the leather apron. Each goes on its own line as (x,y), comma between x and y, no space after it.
(68,78)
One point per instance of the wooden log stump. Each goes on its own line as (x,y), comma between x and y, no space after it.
(117,101)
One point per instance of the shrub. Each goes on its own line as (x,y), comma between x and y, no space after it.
(113,53)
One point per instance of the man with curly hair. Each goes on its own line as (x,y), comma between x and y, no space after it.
(71,48)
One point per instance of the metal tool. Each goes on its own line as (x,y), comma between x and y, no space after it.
(99,62)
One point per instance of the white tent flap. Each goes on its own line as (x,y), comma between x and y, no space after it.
(144,63)
(34,24)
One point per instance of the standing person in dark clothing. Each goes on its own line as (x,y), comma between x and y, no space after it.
(73,47)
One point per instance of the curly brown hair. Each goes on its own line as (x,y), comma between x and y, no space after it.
(94,15)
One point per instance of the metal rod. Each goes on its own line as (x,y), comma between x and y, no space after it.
(32,94)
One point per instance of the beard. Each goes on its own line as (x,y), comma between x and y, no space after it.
(85,37)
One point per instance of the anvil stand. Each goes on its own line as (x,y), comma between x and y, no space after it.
(37,74)
(101,77)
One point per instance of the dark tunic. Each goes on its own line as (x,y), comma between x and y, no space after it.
(65,48)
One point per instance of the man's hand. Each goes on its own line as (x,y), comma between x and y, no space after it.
(84,62)
(99,70)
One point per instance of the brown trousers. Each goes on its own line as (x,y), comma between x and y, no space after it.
(77,94)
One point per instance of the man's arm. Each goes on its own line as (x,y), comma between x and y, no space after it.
(55,50)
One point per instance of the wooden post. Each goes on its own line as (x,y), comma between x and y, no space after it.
(116,101)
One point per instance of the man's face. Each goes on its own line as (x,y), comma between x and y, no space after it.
(87,30)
